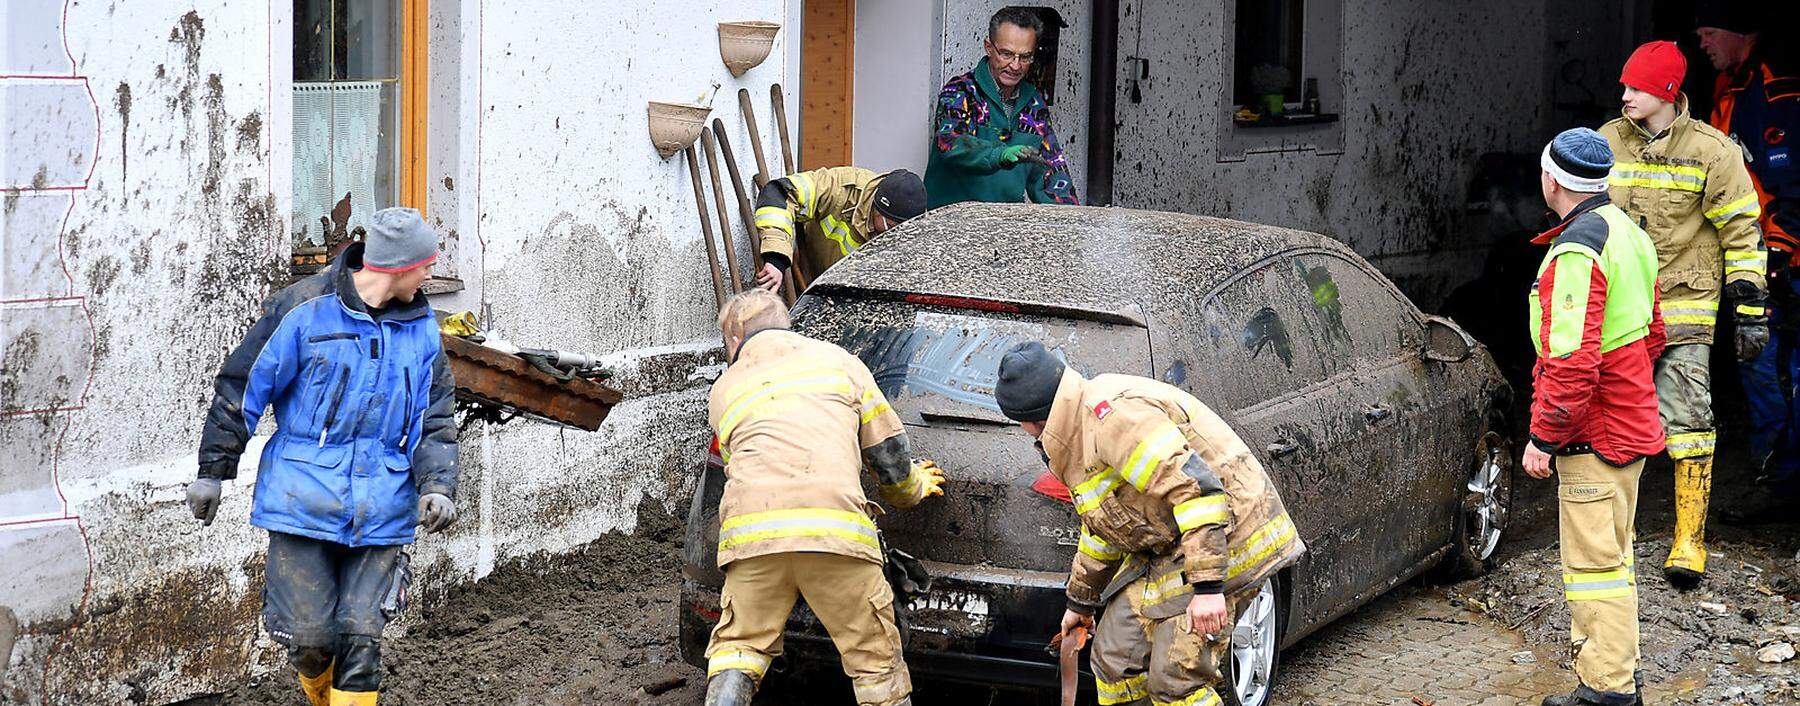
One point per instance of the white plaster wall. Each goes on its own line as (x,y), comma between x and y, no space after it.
(896,83)
(571,232)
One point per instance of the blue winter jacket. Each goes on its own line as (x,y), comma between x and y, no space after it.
(363,412)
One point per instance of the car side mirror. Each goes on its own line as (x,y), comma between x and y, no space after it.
(1446,342)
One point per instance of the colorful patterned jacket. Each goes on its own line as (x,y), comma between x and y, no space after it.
(974,125)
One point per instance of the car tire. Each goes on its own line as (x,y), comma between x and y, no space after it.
(1271,606)
(1484,507)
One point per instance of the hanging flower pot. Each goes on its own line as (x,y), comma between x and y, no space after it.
(743,45)
(674,126)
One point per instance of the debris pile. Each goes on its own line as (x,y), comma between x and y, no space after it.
(1730,641)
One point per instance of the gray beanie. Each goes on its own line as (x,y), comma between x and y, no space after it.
(1029,376)
(398,241)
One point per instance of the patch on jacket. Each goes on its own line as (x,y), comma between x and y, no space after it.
(1102,409)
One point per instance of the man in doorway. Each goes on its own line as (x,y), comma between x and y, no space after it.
(364,449)
(838,209)
(1595,327)
(992,139)
(1756,102)
(1685,184)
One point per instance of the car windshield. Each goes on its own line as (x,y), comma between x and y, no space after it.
(939,365)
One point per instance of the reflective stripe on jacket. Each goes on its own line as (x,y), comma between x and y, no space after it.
(1688,189)
(1154,472)
(1596,329)
(1759,108)
(793,416)
(364,412)
(832,206)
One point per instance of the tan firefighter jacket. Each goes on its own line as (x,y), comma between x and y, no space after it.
(793,417)
(832,206)
(1159,479)
(1689,189)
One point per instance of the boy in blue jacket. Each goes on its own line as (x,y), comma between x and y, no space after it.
(364,449)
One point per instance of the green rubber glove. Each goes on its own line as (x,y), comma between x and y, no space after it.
(1016,154)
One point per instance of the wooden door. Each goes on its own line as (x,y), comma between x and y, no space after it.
(827,82)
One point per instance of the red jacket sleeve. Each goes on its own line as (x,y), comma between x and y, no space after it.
(1573,296)
(1659,336)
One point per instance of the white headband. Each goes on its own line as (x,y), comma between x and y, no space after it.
(1570,181)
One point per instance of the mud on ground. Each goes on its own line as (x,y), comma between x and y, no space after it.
(1700,645)
(593,626)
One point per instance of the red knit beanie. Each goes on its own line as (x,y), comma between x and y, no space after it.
(1655,68)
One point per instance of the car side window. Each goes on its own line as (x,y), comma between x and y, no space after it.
(1362,321)
(1255,337)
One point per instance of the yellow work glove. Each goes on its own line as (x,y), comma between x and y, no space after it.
(931,478)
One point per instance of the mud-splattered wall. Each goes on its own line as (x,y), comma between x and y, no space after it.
(1428,88)
(147,175)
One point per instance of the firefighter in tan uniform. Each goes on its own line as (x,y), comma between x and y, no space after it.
(1685,184)
(796,420)
(1180,526)
(839,209)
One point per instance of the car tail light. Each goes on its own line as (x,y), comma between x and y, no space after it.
(962,303)
(714,459)
(1048,485)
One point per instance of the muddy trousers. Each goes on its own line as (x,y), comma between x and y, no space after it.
(1143,651)
(1597,514)
(1684,399)
(850,596)
(323,601)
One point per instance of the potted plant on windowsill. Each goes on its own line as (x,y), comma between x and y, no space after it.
(1270,83)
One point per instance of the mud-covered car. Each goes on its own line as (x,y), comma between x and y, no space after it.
(1380,425)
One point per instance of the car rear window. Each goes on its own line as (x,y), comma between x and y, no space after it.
(939,364)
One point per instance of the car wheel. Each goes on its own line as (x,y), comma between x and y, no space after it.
(1484,508)
(1254,658)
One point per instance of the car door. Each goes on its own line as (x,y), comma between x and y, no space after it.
(1259,360)
(1373,338)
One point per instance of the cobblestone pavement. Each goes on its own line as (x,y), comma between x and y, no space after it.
(1413,644)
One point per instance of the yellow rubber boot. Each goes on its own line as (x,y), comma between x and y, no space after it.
(352,698)
(317,689)
(1687,558)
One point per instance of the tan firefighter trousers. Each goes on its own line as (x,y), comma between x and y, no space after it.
(852,599)
(1143,649)
(1597,506)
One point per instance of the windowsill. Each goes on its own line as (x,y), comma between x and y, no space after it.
(1288,120)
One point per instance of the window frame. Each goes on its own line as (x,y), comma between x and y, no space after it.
(414,86)
(1322,58)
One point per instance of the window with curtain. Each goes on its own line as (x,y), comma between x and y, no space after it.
(348,141)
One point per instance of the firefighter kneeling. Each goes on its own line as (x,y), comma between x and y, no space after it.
(796,419)
(1179,523)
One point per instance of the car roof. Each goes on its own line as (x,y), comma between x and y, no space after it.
(1080,257)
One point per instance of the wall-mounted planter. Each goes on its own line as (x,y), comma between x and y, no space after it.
(674,126)
(743,45)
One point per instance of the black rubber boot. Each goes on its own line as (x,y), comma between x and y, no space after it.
(1579,697)
(732,687)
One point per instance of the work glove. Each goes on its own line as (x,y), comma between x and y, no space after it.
(436,512)
(1751,319)
(931,478)
(203,499)
(1016,154)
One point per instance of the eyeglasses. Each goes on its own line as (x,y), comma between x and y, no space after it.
(1007,57)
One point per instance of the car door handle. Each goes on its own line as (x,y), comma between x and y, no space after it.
(1376,413)
(1281,447)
